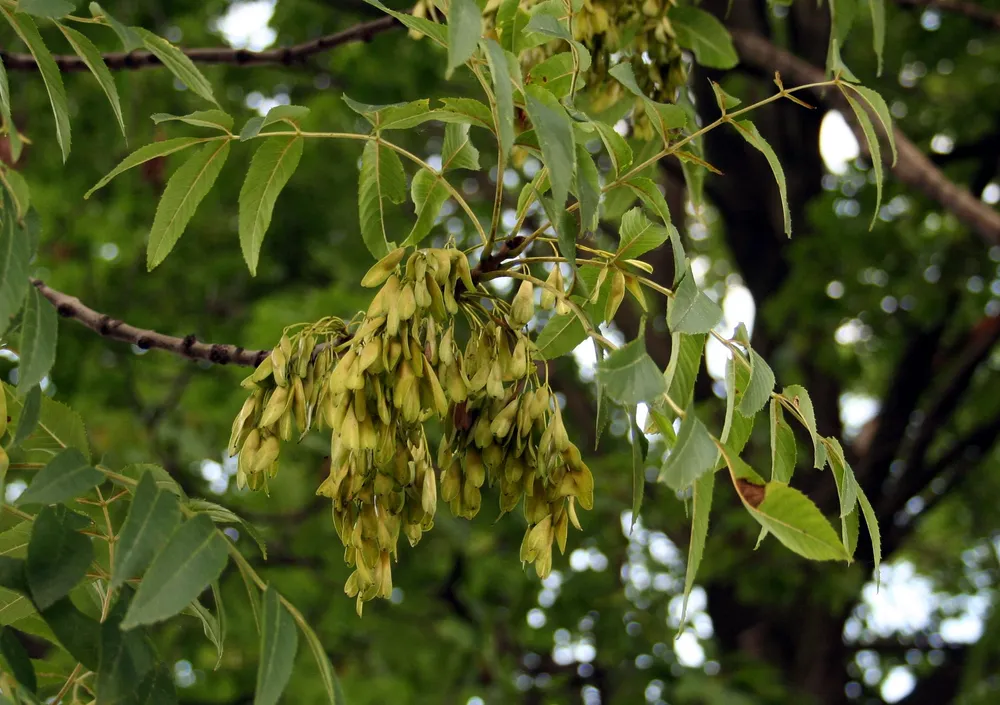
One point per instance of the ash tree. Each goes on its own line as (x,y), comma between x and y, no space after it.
(289,331)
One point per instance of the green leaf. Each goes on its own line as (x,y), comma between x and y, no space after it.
(618,149)
(873,147)
(503,91)
(760,387)
(871,521)
(58,428)
(75,632)
(382,178)
(194,556)
(783,449)
(186,188)
(640,446)
(638,235)
(750,133)
(144,154)
(555,74)
(178,64)
(847,486)
(703,34)
(847,493)
(209,624)
(701,507)
(464,110)
(786,513)
(15,254)
(692,456)
(51,9)
(458,152)
(17,659)
(18,189)
(279,641)
(429,194)
(291,114)
(129,39)
(30,415)
(251,128)
(690,310)
(152,519)
(394,116)
(664,117)
(39,329)
(12,136)
(126,657)
(737,380)
(588,189)
(560,336)
(222,515)
(432,29)
(58,556)
(215,119)
(650,194)
(272,166)
(536,187)
(67,476)
(163,479)
(798,524)
(878,104)
(28,32)
(91,56)
(630,376)
(555,135)
(799,403)
(683,366)
(725,101)
(465,27)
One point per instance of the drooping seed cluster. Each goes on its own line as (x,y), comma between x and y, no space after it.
(285,388)
(377,389)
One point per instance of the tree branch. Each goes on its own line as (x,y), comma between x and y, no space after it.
(286,56)
(189,346)
(971,10)
(71,307)
(913,167)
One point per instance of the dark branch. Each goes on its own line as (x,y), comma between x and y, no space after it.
(912,168)
(939,410)
(973,11)
(952,468)
(71,307)
(914,374)
(286,56)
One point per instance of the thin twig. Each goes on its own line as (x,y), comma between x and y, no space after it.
(286,56)
(71,307)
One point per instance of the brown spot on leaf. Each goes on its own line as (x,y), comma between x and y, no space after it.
(752,494)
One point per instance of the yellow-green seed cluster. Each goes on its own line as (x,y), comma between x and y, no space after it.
(378,387)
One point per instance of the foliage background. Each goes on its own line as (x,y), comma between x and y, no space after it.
(916,293)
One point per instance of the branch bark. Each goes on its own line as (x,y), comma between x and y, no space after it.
(913,167)
(285,56)
(103,324)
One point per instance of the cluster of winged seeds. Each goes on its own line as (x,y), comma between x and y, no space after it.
(606,28)
(377,384)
